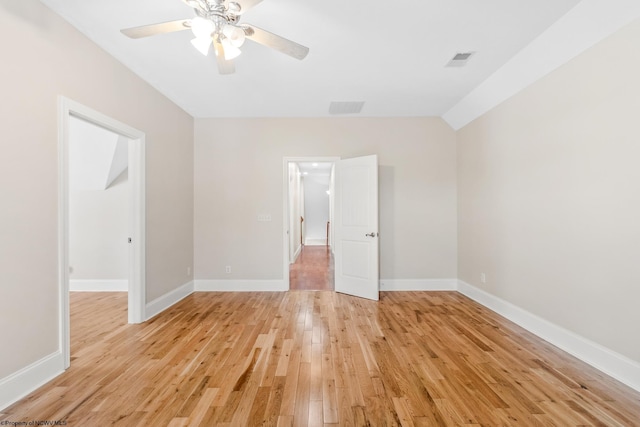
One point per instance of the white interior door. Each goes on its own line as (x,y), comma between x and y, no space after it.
(356,227)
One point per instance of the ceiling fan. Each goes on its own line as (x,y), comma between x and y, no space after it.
(217,24)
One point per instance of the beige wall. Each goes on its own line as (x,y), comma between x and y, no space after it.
(239,174)
(549,206)
(98,231)
(44,57)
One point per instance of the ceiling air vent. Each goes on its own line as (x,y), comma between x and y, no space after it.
(460,59)
(351,107)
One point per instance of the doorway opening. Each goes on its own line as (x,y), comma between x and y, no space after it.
(97,151)
(352,236)
(98,208)
(309,185)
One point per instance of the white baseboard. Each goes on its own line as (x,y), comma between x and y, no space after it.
(99,285)
(418,284)
(315,242)
(21,383)
(241,286)
(160,304)
(609,362)
(297,254)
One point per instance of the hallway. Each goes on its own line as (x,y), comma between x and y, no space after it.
(313,270)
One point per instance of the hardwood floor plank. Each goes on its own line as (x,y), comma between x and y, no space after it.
(259,407)
(285,421)
(303,391)
(404,413)
(274,402)
(319,358)
(316,373)
(204,403)
(329,396)
(283,361)
(315,414)
(291,385)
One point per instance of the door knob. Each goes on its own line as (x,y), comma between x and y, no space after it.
(373,234)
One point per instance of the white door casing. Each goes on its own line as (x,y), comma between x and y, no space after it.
(136,297)
(356,227)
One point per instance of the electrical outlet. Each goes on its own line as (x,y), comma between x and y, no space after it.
(483,278)
(227,269)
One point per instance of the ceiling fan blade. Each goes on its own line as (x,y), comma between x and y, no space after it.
(246,5)
(274,41)
(224,66)
(153,29)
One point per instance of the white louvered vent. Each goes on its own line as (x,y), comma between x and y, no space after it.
(350,107)
(460,59)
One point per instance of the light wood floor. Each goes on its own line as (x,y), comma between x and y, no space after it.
(313,270)
(313,358)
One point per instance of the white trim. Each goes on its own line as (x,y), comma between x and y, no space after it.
(98,285)
(241,286)
(67,108)
(160,304)
(19,384)
(297,254)
(64,333)
(418,284)
(137,255)
(609,362)
(315,242)
(285,207)
(589,22)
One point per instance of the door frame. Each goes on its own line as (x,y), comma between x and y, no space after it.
(136,173)
(285,208)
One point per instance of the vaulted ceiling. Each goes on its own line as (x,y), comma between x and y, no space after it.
(390,55)
(97,156)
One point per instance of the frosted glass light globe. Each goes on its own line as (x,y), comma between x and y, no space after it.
(202,28)
(234,34)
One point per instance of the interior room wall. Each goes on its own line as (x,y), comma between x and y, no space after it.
(549,201)
(417,177)
(49,58)
(98,231)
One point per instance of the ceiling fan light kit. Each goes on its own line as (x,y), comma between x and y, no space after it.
(235,35)
(216,23)
(230,51)
(201,27)
(202,44)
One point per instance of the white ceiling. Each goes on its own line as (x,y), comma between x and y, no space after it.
(97,156)
(391,55)
(319,172)
(316,168)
